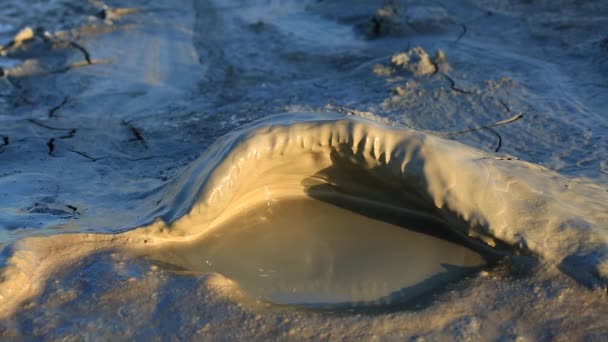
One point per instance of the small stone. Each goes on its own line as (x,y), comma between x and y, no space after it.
(415,60)
(24,35)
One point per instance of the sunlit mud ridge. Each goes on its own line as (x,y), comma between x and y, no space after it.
(489,203)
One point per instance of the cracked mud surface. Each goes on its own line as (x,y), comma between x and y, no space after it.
(106,102)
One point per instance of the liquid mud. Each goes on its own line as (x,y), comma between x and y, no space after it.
(313,254)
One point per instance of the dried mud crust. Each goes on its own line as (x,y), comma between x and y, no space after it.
(102,108)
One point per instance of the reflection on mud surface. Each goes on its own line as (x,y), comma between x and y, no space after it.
(307,252)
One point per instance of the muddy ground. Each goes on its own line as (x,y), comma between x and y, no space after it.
(102,103)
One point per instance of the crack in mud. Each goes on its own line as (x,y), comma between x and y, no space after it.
(504,105)
(51,145)
(53,110)
(499,144)
(93,159)
(71,131)
(453,85)
(462,34)
(18,89)
(508,110)
(82,154)
(84,51)
(376,27)
(74,209)
(5,142)
(70,134)
(488,127)
(48,38)
(436,66)
(136,133)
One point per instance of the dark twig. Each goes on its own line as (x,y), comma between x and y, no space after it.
(57,107)
(499,123)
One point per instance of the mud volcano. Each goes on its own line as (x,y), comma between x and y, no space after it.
(326,211)
(309,253)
